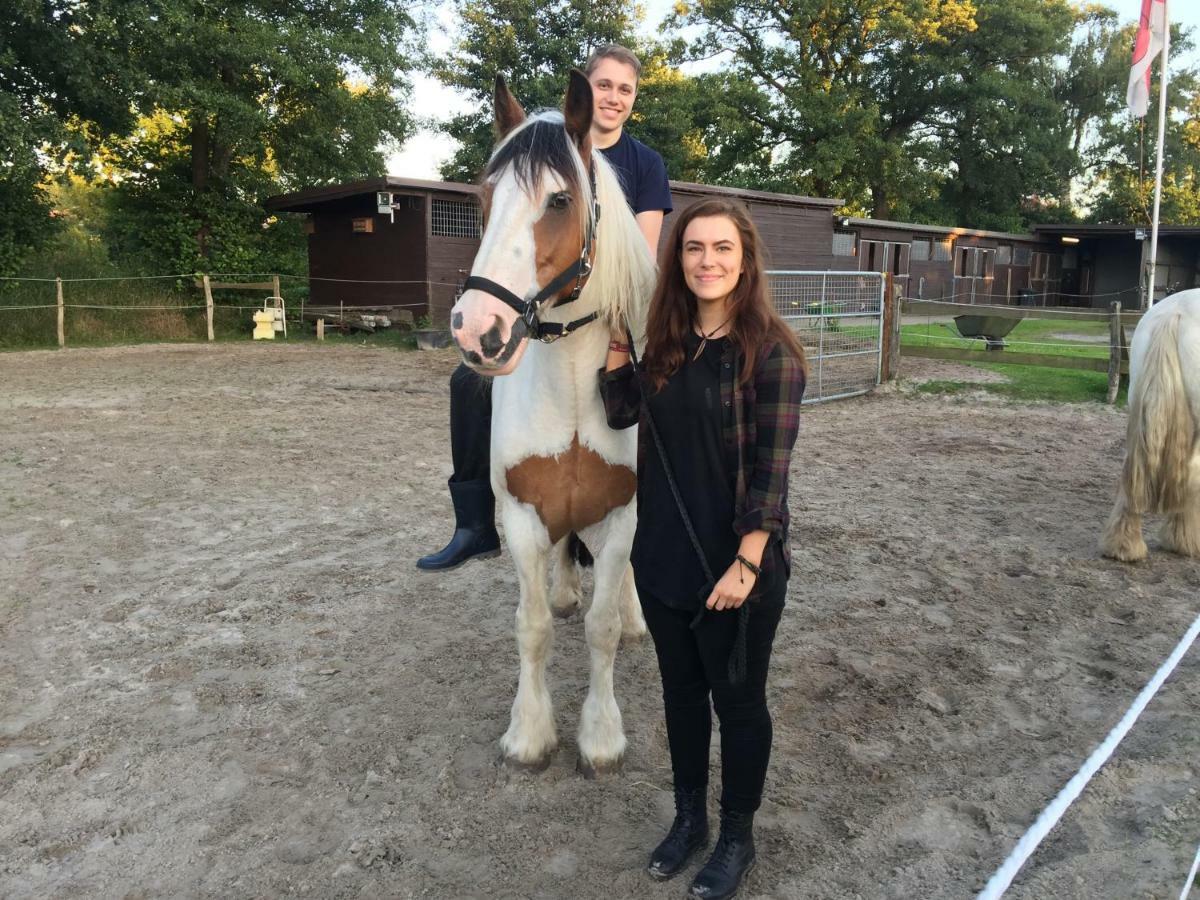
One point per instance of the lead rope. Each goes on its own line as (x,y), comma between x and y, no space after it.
(737,657)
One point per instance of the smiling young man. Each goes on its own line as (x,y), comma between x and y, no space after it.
(613,72)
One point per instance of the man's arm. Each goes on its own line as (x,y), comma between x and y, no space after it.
(650,222)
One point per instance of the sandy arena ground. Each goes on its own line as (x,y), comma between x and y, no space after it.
(221,675)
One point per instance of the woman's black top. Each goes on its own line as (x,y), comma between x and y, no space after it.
(690,419)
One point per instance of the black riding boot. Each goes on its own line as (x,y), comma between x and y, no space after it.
(689,832)
(475,534)
(732,858)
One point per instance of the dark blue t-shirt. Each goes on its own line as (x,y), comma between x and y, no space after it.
(642,173)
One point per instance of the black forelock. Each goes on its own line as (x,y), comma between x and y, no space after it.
(537,146)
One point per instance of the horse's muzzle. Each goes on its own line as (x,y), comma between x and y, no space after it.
(490,351)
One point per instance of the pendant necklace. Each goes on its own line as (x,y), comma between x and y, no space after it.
(704,337)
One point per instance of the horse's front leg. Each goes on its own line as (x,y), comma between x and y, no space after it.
(531,737)
(633,623)
(601,733)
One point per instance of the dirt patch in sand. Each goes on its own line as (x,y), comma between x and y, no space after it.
(220,674)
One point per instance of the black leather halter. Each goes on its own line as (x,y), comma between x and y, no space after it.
(549,332)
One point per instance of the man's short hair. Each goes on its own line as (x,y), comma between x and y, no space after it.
(617,52)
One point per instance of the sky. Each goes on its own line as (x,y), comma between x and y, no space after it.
(427,149)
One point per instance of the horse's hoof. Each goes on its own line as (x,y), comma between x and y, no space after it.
(590,770)
(564,612)
(1126,553)
(534,767)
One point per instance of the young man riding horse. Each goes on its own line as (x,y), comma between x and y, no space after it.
(613,73)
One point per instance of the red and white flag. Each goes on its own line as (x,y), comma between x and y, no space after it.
(1151,36)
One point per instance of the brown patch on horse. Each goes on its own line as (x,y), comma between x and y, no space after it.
(557,240)
(573,490)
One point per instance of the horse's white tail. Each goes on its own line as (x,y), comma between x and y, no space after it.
(1162,431)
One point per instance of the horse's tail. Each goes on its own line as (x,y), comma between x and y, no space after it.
(577,551)
(1162,431)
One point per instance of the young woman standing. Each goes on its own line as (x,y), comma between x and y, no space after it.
(722,379)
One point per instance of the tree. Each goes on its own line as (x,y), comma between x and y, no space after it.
(60,62)
(241,100)
(847,81)
(707,127)
(1004,132)
(203,109)
(936,110)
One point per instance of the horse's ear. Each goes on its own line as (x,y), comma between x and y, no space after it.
(577,110)
(509,113)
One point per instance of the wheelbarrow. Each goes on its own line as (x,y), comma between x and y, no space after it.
(991,328)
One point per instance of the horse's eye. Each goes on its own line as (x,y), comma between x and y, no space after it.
(561,200)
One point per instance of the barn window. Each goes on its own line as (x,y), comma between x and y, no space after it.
(843,243)
(1004,255)
(919,251)
(1021,256)
(941,250)
(455,218)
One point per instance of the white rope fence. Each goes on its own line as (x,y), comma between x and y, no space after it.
(1004,876)
(1191,879)
(981,299)
(143,294)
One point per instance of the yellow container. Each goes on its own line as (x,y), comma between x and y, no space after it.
(264,327)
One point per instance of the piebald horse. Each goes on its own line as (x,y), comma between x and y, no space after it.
(561,261)
(1162,453)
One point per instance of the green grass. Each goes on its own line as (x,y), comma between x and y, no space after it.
(1031,383)
(1053,337)
(1025,383)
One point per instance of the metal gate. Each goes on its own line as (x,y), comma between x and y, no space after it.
(838,317)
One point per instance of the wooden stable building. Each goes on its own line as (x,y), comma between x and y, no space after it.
(1103,263)
(405,244)
(392,244)
(959,265)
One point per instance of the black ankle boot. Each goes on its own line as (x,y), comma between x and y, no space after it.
(689,832)
(732,858)
(475,534)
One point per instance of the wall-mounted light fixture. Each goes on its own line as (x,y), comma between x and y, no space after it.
(1067,239)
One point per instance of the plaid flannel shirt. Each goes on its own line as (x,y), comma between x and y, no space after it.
(759,435)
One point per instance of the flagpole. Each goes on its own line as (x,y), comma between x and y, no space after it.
(1158,163)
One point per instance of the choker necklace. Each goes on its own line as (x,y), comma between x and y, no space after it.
(705,337)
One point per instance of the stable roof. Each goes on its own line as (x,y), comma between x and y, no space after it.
(311,199)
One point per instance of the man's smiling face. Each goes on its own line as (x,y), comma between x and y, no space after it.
(614,87)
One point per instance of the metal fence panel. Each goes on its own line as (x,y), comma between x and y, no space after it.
(838,317)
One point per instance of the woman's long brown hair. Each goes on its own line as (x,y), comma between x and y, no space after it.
(673,309)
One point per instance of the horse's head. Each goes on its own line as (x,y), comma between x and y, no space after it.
(538,218)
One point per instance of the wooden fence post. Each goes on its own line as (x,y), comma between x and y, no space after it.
(1115,340)
(208,306)
(895,303)
(885,338)
(62,321)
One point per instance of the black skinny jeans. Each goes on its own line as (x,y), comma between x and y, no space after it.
(694,665)
(470,425)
